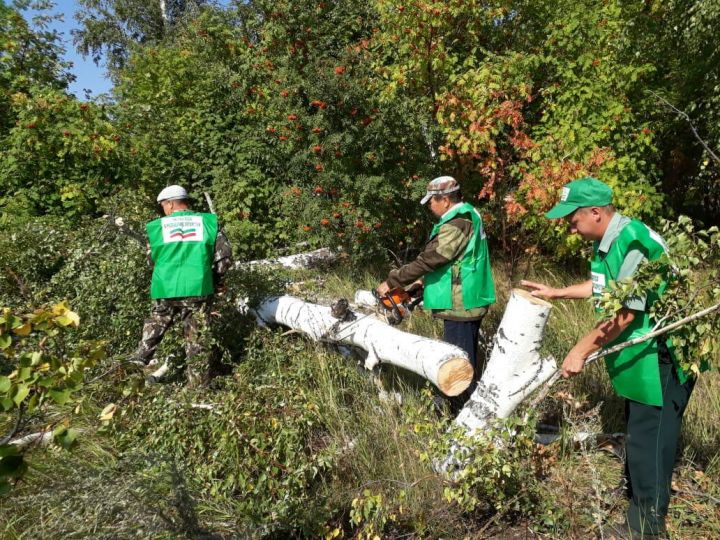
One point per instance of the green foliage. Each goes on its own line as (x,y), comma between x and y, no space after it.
(29,57)
(62,156)
(37,369)
(109,28)
(500,469)
(258,449)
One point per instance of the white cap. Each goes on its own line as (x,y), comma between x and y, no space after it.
(440,186)
(172,193)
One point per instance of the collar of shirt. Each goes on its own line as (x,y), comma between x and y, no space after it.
(450,209)
(617,223)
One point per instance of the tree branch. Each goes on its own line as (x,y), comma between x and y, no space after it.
(620,346)
(685,117)
(16,427)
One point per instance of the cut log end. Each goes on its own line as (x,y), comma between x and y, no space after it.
(530,298)
(455,376)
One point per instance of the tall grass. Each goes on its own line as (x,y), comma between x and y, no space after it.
(379,448)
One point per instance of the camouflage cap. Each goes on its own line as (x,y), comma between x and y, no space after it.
(441,185)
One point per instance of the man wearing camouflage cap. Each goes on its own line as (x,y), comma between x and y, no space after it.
(454,267)
(189,255)
(646,375)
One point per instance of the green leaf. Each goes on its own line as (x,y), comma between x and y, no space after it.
(5,341)
(5,384)
(65,437)
(12,466)
(59,396)
(21,394)
(24,373)
(9,450)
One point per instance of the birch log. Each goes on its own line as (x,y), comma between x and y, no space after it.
(515,368)
(444,365)
(300,260)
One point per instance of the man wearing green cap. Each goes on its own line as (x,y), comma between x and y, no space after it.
(646,374)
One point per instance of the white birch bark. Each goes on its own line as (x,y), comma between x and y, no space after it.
(41,438)
(294,262)
(515,368)
(445,365)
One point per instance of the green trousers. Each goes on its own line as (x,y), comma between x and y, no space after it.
(651,445)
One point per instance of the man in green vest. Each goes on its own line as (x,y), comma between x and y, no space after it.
(189,256)
(646,374)
(455,270)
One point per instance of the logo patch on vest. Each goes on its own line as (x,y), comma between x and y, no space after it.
(598,282)
(182,229)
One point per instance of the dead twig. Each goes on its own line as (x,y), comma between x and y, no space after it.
(684,116)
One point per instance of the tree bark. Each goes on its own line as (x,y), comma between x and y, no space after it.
(301,260)
(444,365)
(515,368)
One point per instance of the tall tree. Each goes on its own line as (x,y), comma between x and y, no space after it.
(111,27)
(29,57)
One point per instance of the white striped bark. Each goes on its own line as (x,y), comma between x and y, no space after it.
(364,298)
(515,368)
(444,365)
(297,261)
(41,438)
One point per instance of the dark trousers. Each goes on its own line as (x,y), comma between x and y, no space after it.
(651,445)
(464,334)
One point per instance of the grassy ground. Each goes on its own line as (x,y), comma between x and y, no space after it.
(300,443)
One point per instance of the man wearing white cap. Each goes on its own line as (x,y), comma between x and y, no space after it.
(189,256)
(454,268)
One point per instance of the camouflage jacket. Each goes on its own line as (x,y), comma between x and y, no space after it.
(445,247)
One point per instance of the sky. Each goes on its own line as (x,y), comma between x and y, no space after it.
(88,75)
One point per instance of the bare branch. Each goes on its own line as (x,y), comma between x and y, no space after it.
(600,354)
(685,117)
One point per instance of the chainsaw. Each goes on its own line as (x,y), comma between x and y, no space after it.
(398,303)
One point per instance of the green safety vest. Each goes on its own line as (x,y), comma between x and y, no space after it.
(182,246)
(634,371)
(477,285)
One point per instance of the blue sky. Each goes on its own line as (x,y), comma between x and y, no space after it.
(87,74)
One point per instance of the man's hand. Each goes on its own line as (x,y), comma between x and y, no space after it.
(383,288)
(573,363)
(539,289)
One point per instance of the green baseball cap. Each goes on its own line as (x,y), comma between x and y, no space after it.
(587,191)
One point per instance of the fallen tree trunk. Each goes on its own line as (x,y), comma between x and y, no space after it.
(444,365)
(515,368)
(300,260)
(41,438)
(514,371)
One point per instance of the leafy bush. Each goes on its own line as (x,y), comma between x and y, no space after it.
(38,369)
(258,449)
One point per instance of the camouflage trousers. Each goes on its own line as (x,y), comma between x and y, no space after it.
(194,313)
